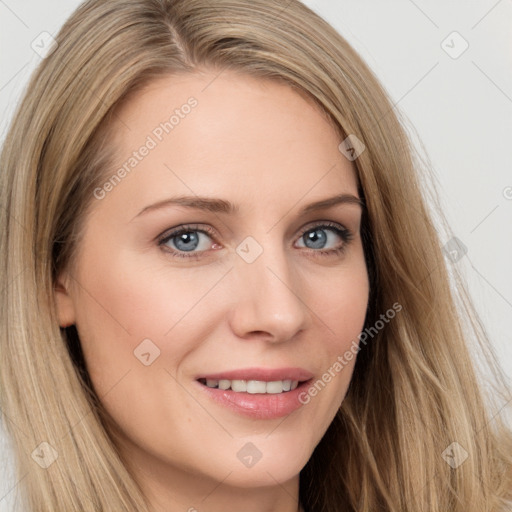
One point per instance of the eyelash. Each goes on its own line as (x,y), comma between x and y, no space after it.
(345,234)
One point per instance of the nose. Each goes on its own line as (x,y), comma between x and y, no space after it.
(268,298)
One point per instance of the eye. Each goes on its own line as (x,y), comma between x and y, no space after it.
(187,239)
(327,233)
(191,241)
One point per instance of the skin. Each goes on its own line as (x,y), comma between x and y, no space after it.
(268,149)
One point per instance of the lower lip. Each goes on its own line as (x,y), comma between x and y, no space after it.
(258,405)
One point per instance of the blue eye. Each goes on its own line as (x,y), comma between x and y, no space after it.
(318,237)
(187,239)
(184,241)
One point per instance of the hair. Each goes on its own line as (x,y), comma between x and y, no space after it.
(415,388)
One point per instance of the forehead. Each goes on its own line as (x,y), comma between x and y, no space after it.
(206,133)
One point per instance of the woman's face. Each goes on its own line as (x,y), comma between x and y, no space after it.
(261,288)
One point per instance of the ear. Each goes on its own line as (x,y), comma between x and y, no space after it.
(64,302)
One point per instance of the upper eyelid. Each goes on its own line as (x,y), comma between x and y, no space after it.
(172,232)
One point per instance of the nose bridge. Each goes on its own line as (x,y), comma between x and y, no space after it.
(268,296)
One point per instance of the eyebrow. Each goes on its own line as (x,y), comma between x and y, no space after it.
(217,205)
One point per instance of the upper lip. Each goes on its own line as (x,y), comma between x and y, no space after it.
(264,374)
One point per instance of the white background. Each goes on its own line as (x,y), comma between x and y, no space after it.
(460,109)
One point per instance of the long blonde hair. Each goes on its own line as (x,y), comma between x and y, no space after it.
(414,391)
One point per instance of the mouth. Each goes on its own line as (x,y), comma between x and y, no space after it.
(258,393)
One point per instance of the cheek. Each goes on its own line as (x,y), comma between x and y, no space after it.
(127,309)
(341,310)
(137,323)
(339,299)
(130,298)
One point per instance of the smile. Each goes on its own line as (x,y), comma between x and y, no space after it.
(252,386)
(260,393)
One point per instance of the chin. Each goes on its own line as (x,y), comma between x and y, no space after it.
(261,461)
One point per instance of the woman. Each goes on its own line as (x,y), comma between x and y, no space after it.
(223,288)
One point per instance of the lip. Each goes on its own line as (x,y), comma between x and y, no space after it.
(259,405)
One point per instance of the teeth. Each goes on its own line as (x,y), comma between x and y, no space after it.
(239,385)
(223,384)
(253,386)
